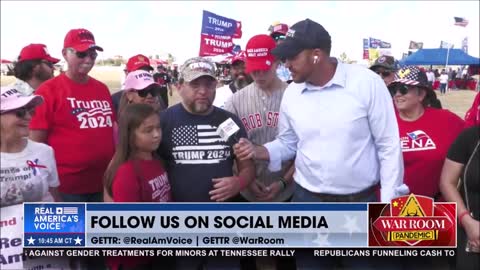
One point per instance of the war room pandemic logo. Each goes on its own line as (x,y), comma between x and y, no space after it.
(412,220)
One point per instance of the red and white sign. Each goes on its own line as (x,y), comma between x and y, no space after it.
(211,45)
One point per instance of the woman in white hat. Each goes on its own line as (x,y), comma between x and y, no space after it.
(28,169)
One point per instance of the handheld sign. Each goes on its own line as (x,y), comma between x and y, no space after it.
(227,129)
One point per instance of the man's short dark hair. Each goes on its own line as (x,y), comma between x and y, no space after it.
(23,70)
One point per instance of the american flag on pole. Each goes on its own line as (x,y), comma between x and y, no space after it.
(461,21)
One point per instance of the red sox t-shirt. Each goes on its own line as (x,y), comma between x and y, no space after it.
(425,143)
(79,121)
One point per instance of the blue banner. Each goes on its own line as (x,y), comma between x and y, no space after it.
(366,44)
(54,224)
(214,24)
(186,225)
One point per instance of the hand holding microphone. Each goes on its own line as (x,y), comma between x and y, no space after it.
(244,149)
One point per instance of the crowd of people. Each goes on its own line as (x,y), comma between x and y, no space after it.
(311,129)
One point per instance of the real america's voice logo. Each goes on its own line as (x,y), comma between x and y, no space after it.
(412,221)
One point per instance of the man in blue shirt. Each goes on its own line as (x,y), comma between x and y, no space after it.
(339,123)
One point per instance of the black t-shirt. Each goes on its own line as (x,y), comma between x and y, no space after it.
(466,150)
(194,153)
(116,100)
(162,79)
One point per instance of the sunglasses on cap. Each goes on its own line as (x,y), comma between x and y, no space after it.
(152,90)
(22,112)
(91,53)
(384,73)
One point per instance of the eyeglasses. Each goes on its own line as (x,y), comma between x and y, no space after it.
(383,73)
(22,112)
(154,91)
(402,88)
(91,53)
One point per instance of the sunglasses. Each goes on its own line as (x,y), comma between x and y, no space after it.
(91,53)
(154,91)
(383,73)
(402,88)
(22,112)
(49,64)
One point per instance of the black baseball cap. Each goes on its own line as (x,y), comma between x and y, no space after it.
(303,35)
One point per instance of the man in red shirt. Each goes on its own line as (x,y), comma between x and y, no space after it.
(76,119)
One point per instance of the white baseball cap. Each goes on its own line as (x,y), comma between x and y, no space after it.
(12,99)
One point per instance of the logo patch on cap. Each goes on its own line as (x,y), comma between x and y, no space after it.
(382,59)
(268,62)
(403,73)
(290,33)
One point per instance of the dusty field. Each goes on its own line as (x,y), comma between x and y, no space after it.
(457,101)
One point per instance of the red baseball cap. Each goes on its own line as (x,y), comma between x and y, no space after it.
(259,53)
(137,62)
(241,56)
(36,52)
(280,28)
(80,40)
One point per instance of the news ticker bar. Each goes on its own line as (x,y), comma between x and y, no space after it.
(195,225)
(178,252)
(230,225)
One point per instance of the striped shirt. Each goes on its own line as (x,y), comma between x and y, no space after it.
(259,113)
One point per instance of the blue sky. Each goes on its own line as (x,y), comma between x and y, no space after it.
(152,27)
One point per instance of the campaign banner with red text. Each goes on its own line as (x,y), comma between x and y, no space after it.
(211,45)
(217,34)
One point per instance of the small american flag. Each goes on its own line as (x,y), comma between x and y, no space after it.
(199,144)
(461,21)
(70,210)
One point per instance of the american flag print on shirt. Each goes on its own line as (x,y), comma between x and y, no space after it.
(198,144)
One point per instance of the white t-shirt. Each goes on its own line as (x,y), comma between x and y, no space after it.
(26,176)
(222,95)
(431,76)
(444,78)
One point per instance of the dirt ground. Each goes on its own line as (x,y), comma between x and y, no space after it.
(457,101)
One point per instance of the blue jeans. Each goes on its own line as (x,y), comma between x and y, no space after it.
(443,88)
(304,257)
(89,197)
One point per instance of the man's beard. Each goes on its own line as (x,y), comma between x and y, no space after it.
(240,82)
(43,75)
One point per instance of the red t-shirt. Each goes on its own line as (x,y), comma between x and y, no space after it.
(146,183)
(128,186)
(472,117)
(425,143)
(79,121)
